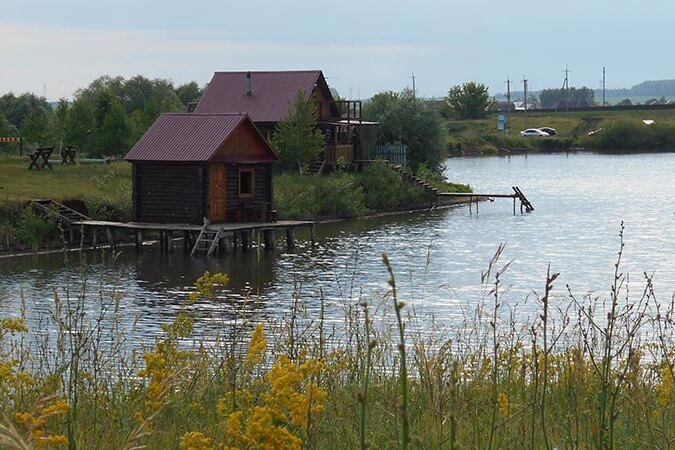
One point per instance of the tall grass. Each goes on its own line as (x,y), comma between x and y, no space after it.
(584,373)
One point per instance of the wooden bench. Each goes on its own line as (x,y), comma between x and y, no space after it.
(68,155)
(40,158)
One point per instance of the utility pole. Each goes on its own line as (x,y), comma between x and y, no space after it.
(603,87)
(566,88)
(413,80)
(525,98)
(508,102)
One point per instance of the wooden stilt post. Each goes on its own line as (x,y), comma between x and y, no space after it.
(235,242)
(312,234)
(290,239)
(186,241)
(162,237)
(93,237)
(222,245)
(139,240)
(514,205)
(71,235)
(269,240)
(169,241)
(111,237)
(470,205)
(245,241)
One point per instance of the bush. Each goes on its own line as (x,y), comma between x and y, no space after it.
(303,196)
(555,144)
(104,209)
(33,230)
(384,188)
(634,135)
(438,181)
(8,216)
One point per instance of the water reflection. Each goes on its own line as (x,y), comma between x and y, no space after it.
(438,256)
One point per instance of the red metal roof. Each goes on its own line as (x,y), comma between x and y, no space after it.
(189,137)
(273,93)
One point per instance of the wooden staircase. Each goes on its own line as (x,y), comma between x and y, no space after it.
(317,166)
(409,177)
(523,200)
(208,239)
(51,208)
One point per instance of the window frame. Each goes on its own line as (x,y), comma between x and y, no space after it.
(251,183)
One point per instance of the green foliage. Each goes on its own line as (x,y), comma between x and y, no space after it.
(385,188)
(634,135)
(567,98)
(113,130)
(625,102)
(296,138)
(118,206)
(404,119)
(79,129)
(305,196)
(469,101)
(189,92)
(31,229)
(439,181)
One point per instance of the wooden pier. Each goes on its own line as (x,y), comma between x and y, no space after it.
(525,205)
(238,234)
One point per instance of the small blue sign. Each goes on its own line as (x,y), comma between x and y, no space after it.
(501,121)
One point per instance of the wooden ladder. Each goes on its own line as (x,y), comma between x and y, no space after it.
(207,241)
(52,208)
(523,200)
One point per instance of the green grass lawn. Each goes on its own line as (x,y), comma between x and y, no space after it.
(64,182)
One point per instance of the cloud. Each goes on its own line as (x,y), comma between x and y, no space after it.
(67,58)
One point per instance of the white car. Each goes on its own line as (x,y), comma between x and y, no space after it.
(533,132)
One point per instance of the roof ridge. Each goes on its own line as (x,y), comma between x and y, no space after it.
(204,114)
(269,71)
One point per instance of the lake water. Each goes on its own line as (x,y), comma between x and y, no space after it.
(580,201)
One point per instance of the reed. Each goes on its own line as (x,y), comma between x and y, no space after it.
(585,373)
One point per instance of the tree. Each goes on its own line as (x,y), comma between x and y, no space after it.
(625,102)
(112,127)
(189,92)
(567,98)
(79,127)
(297,138)
(24,112)
(469,101)
(404,119)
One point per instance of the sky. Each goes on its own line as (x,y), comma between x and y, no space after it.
(54,47)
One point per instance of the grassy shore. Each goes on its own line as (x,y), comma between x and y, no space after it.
(572,128)
(586,373)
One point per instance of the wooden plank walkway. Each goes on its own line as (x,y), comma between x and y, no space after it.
(516,195)
(240,233)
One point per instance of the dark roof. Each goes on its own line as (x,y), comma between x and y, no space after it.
(190,137)
(273,93)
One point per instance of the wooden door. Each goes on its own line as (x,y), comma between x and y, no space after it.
(217,192)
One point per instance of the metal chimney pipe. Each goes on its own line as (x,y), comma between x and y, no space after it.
(249,84)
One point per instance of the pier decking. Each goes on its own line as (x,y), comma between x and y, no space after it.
(517,194)
(239,232)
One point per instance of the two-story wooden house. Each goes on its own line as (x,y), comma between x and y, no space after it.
(268,98)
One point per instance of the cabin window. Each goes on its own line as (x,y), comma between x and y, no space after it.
(246,183)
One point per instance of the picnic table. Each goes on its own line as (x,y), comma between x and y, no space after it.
(68,155)
(40,158)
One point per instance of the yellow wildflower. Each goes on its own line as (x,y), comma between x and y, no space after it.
(256,347)
(503,405)
(194,440)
